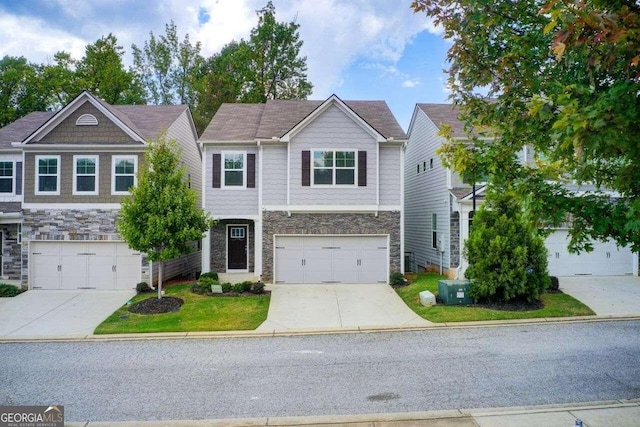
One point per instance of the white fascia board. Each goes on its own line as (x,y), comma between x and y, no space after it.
(85,147)
(61,115)
(238,217)
(226,143)
(332,208)
(76,206)
(332,100)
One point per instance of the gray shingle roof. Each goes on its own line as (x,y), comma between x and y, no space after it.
(246,122)
(444,114)
(146,120)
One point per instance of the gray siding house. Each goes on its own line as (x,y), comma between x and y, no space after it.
(71,170)
(439,208)
(304,191)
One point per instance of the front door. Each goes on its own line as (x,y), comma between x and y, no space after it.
(237,247)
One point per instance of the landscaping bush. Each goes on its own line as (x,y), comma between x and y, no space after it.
(7,290)
(205,283)
(143,287)
(555,283)
(507,258)
(257,288)
(211,274)
(227,287)
(397,279)
(242,287)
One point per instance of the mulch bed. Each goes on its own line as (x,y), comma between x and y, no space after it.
(156,306)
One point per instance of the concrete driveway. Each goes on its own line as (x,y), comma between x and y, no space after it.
(607,296)
(57,314)
(337,306)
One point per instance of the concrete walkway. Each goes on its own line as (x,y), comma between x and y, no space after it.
(606,296)
(337,306)
(54,314)
(592,414)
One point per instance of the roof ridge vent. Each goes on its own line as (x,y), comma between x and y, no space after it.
(87,120)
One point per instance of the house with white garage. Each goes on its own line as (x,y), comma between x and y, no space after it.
(439,208)
(304,191)
(66,174)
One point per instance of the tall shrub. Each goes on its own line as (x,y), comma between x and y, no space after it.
(507,258)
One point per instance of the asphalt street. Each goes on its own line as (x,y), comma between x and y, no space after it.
(379,372)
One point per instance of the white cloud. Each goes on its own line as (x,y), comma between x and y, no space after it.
(410,83)
(228,20)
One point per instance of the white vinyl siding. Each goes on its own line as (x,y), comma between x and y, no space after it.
(390,175)
(274,175)
(425,193)
(182,131)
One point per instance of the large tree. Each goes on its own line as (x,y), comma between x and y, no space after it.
(562,78)
(167,66)
(20,91)
(161,216)
(275,68)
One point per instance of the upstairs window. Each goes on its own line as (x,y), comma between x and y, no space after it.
(85,175)
(124,174)
(48,175)
(6,177)
(234,168)
(434,231)
(334,167)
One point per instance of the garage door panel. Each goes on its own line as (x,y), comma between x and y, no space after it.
(46,276)
(127,271)
(289,265)
(346,265)
(317,264)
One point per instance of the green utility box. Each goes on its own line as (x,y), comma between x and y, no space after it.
(454,292)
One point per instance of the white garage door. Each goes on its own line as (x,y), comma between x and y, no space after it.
(331,259)
(607,259)
(83,265)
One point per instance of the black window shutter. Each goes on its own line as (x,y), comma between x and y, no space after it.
(306,168)
(251,171)
(216,170)
(18,178)
(362,168)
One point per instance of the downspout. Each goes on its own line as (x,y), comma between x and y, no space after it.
(402,153)
(288,178)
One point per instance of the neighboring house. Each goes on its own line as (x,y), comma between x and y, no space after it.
(304,191)
(62,178)
(439,206)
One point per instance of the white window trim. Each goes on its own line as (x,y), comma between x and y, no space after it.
(223,180)
(114,160)
(13,178)
(75,175)
(59,168)
(334,168)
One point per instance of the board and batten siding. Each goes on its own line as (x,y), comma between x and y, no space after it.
(229,201)
(426,192)
(182,131)
(332,130)
(390,170)
(274,175)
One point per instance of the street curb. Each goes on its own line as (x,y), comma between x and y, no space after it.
(321,331)
(439,417)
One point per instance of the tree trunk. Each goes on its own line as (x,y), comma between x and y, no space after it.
(160,264)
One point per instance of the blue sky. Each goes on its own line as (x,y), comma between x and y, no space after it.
(357,49)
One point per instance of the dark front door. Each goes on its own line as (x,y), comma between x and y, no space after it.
(237,247)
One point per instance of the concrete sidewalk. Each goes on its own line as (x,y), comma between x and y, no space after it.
(592,414)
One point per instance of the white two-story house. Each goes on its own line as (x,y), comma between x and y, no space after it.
(304,191)
(439,208)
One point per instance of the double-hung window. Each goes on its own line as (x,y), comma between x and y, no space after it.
(434,231)
(233,166)
(6,177)
(124,174)
(334,167)
(48,175)
(85,175)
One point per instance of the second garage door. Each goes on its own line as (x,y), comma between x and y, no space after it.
(331,259)
(83,265)
(606,259)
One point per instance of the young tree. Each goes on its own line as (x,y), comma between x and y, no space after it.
(161,216)
(507,258)
(562,78)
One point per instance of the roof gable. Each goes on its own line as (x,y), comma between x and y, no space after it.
(85,97)
(446,114)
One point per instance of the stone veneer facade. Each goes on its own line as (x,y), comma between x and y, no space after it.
(454,240)
(329,223)
(69,225)
(218,235)
(11,252)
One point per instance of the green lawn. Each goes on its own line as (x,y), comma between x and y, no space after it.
(555,305)
(198,313)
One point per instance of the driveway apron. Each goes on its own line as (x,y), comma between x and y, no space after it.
(337,306)
(606,296)
(57,313)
